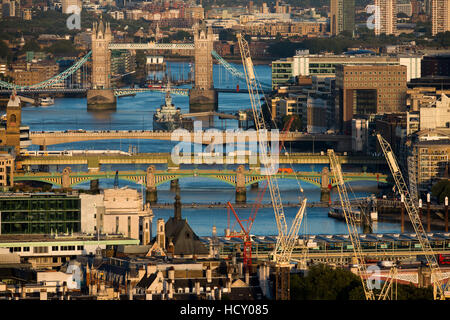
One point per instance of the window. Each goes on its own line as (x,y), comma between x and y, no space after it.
(55,248)
(40,250)
(26,249)
(80,247)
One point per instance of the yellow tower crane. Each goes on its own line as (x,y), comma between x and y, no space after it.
(440,288)
(350,219)
(281,255)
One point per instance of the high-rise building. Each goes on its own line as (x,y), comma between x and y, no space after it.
(342,16)
(440,16)
(388,17)
(66,5)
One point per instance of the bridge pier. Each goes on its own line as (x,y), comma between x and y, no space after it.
(151,193)
(325,185)
(241,190)
(65,179)
(101,100)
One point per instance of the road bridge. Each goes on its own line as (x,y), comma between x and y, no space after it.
(165,158)
(43,138)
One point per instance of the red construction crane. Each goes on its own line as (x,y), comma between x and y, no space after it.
(244,234)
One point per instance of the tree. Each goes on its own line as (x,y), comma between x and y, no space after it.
(180,35)
(325,283)
(31,45)
(227,35)
(62,47)
(5,52)
(441,189)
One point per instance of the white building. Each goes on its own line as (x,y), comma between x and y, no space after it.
(436,116)
(360,129)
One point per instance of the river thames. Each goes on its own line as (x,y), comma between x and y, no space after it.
(136,113)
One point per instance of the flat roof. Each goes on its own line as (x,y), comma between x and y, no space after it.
(34,240)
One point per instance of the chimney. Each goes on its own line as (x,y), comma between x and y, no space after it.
(130,294)
(148,295)
(209,275)
(170,290)
(172,274)
(219,294)
(197,288)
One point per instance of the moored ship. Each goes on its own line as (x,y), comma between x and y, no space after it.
(169,118)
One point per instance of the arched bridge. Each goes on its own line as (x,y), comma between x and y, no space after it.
(152,178)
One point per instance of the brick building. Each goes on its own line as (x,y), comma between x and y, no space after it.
(369,89)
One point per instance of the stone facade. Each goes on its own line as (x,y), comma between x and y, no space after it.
(203,97)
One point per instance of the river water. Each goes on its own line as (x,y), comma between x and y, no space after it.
(136,113)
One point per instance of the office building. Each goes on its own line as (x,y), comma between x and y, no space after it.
(369,89)
(342,16)
(388,17)
(321,65)
(440,16)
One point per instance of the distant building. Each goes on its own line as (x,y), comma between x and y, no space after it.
(342,16)
(438,65)
(360,135)
(8,9)
(431,151)
(322,65)
(39,214)
(405,6)
(6,171)
(27,74)
(117,211)
(177,238)
(369,89)
(440,16)
(67,4)
(388,17)
(437,115)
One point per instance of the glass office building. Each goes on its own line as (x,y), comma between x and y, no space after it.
(40,214)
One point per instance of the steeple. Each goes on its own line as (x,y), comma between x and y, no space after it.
(177,208)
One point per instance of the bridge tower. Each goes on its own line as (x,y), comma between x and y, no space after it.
(11,136)
(203,96)
(101,96)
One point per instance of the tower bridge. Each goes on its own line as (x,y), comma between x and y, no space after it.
(202,97)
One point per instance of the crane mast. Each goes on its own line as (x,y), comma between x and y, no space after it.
(286,238)
(351,222)
(414,216)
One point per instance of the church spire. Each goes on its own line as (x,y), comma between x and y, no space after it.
(177,207)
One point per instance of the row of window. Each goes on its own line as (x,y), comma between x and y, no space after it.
(45,249)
